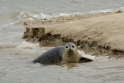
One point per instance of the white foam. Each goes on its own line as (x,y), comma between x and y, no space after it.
(63,14)
(101,11)
(45,16)
(8,24)
(27,45)
(31,19)
(37,15)
(122,8)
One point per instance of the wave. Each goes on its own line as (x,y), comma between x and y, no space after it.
(27,45)
(21,16)
(37,15)
(8,24)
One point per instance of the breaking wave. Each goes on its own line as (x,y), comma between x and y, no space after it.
(37,15)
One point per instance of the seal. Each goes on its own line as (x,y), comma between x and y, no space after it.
(61,55)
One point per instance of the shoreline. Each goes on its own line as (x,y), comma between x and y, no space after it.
(100,31)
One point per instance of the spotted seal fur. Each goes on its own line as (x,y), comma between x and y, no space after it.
(62,54)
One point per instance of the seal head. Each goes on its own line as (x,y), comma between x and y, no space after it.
(70,53)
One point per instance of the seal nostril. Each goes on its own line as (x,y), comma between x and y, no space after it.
(69,49)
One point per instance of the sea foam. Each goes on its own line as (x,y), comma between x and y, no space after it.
(39,15)
(27,45)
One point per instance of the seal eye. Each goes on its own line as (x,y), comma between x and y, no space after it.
(66,46)
(72,46)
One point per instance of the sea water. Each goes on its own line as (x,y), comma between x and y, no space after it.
(16,54)
(15,10)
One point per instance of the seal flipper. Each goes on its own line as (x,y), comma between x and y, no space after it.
(52,56)
(85,58)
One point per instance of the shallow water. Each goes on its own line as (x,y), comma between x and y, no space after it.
(15,66)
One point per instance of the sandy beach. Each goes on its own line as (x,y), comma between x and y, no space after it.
(104,30)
